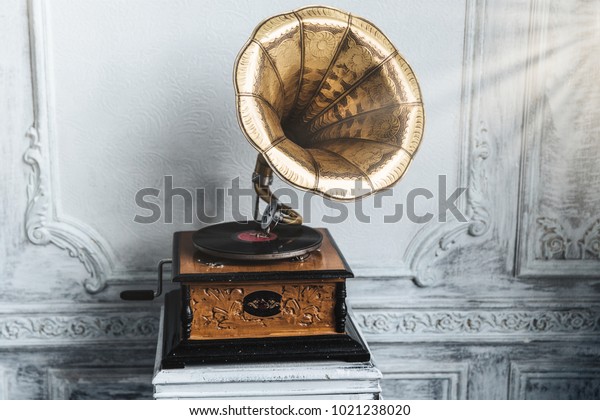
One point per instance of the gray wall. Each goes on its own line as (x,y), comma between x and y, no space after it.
(103,98)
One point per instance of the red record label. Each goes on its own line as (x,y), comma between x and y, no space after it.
(256,236)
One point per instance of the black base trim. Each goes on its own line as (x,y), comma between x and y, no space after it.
(178,352)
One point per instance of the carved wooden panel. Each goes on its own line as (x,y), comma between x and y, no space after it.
(222,311)
(560,199)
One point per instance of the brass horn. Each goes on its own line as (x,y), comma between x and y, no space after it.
(330,105)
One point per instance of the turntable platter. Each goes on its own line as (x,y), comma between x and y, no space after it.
(247,241)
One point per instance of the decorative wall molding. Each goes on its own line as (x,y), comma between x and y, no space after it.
(479,325)
(426,249)
(98,383)
(557,379)
(26,329)
(559,232)
(42,223)
(493,322)
(450,378)
(555,243)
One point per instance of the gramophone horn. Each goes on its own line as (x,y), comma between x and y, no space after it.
(329,103)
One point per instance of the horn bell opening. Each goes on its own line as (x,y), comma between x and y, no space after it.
(329,102)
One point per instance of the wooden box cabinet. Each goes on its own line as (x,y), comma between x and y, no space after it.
(231,311)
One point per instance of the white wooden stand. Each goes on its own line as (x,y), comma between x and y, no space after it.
(281,380)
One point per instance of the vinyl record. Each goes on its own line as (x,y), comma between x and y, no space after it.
(246,241)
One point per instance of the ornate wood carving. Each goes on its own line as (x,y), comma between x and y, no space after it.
(218,311)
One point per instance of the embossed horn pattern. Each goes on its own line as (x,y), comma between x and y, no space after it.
(328,102)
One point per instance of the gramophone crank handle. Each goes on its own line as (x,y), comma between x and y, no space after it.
(262,179)
(148,294)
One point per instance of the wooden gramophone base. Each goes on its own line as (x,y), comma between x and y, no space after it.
(178,352)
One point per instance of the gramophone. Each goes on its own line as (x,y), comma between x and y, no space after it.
(333,109)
